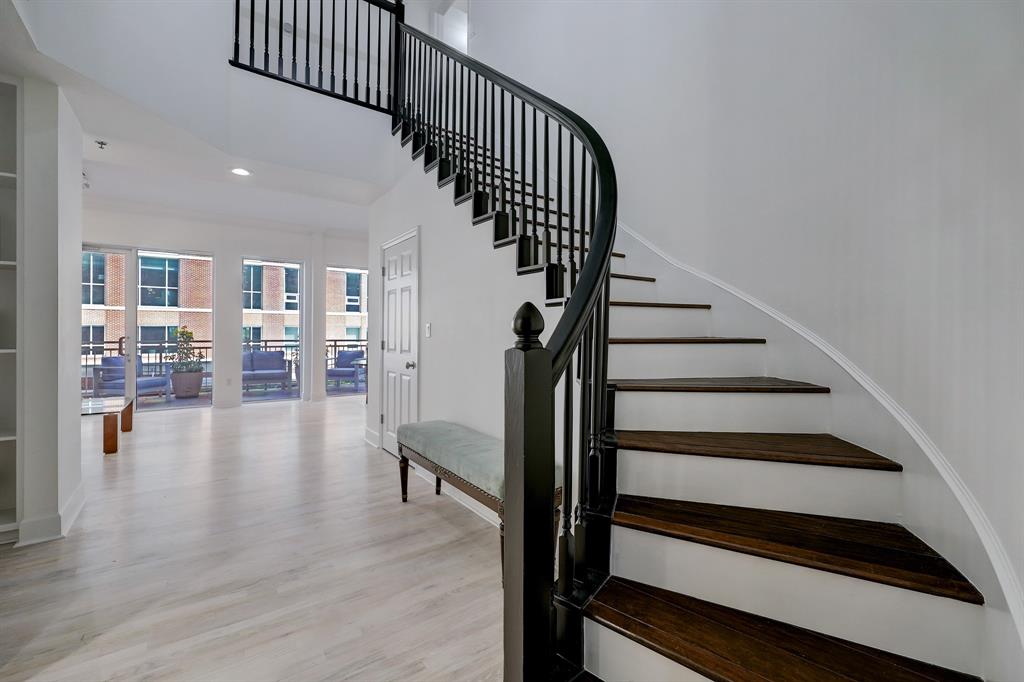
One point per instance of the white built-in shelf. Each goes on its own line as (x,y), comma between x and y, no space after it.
(7,435)
(8,520)
(8,265)
(8,351)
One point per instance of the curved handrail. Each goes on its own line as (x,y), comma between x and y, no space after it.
(583,299)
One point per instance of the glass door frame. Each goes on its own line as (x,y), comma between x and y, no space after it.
(126,347)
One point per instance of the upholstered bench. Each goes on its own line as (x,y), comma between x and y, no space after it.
(470,461)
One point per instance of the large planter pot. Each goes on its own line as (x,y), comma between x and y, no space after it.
(186,384)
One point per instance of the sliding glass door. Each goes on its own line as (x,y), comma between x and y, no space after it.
(346,331)
(175,330)
(107,375)
(271,330)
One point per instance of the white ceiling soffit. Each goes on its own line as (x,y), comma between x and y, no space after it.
(157,85)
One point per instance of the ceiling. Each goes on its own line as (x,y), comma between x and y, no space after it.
(152,80)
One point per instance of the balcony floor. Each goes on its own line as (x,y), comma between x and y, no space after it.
(261,543)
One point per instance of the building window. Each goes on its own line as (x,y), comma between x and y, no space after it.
(158,281)
(92,339)
(353,332)
(252,287)
(291,335)
(353,292)
(94,277)
(252,336)
(157,338)
(291,288)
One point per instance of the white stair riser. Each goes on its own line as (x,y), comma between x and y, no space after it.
(659,360)
(617,658)
(810,489)
(934,629)
(639,321)
(682,411)
(631,289)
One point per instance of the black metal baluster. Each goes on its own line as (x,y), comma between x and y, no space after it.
(476,128)
(266,36)
(572,213)
(501,148)
(344,52)
(523,230)
(583,208)
(334,11)
(493,161)
(320,57)
(355,57)
(547,194)
(391,57)
(566,545)
(295,38)
(280,37)
(252,32)
(368,22)
(378,55)
(238,10)
(536,242)
(462,182)
(556,276)
(512,225)
(307,42)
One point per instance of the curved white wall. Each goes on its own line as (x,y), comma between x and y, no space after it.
(858,167)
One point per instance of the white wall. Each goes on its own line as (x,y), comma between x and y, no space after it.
(468,293)
(49,256)
(855,165)
(151,228)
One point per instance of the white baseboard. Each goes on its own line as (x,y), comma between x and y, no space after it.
(72,508)
(39,529)
(372,437)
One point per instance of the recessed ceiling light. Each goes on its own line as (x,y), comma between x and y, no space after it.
(240,171)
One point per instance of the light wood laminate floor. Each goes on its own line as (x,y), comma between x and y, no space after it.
(267,542)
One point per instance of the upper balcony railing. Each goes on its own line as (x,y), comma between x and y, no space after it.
(340,48)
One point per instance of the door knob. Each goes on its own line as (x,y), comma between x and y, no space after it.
(410,365)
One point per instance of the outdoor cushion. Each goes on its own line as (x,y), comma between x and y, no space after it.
(246,360)
(268,359)
(345,358)
(265,374)
(341,371)
(469,454)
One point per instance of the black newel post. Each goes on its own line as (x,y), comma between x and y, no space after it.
(529,500)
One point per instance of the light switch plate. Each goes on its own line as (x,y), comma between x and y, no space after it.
(428,330)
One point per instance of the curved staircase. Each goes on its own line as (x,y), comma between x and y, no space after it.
(719,531)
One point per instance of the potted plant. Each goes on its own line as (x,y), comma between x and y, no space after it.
(186,366)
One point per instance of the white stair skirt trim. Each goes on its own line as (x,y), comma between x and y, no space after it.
(757,412)
(617,658)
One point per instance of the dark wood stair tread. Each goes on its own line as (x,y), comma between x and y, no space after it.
(646,304)
(718,385)
(682,340)
(639,278)
(729,645)
(794,448)
(885,553)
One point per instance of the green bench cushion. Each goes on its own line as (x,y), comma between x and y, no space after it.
(469,454)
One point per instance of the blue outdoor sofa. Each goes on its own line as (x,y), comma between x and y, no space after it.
(108,378)
(266,367)
(344,369)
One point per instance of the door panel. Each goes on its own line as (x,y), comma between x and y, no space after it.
(400,402)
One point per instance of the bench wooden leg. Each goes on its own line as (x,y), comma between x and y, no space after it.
(437,485)
(109,433)
(403,475)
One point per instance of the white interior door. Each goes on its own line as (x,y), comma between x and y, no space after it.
(400,395)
